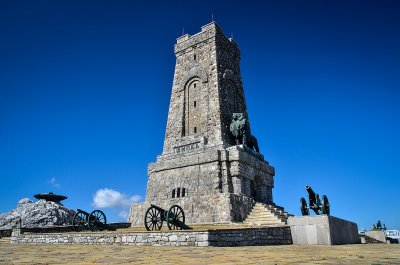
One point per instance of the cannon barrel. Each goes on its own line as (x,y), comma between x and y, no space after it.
(158,208)
(310,191)
(315,203)
(82,211)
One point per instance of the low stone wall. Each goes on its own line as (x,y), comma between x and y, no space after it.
(220,238)
(250,237)
(58,229)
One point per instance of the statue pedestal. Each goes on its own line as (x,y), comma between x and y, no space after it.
(322,230)
(377,235)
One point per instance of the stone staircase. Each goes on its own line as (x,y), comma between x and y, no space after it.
(267,215)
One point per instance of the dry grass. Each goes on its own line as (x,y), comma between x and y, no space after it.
(117,254)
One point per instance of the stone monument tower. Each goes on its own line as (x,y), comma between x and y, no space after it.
(202,168)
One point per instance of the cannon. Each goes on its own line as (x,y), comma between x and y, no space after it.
(379,226)
(95,221)
(315,203)
(155,217)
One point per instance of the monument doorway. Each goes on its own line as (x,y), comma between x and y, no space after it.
(252,190)
(255,188)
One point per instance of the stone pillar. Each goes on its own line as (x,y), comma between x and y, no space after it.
(226,179)
(246,187)
(16,232)
(263,194)
(237,184)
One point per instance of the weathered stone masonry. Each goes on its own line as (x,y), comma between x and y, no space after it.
(201,168)
(218,238)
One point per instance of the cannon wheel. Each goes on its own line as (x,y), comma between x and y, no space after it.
(325,205)
(175,218)
(97,220)
(153,219)
(303,207)
(79,221)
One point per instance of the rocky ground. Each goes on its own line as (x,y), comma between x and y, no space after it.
(36,214)
(116,254)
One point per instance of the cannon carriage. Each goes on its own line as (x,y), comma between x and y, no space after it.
(95,221)
(174,217)
(315,203)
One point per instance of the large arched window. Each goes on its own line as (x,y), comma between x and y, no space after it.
(192,112)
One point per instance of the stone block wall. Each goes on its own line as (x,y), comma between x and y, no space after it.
(322,230)
(217,238)
(250,237)
(241,207)
(197,211)
(217,184)
(207,89)
(199,155)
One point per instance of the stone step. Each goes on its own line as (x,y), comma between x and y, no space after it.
(267,210)
(268,214)
(263,221)
(257,220)
(263,218)
(264,214)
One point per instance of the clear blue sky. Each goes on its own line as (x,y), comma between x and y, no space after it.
(85,87)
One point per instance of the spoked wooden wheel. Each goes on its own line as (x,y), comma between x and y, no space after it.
(326,208)
(79,221)
(97,220)
(153,219)
(303,207)
(175,218)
